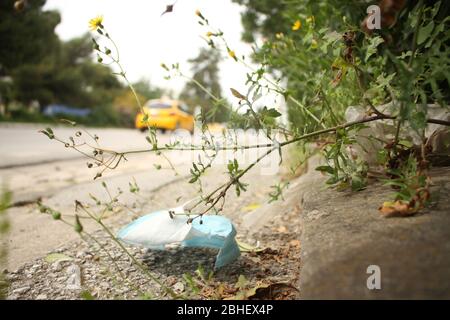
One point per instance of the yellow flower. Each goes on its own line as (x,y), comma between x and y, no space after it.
(96,23)
(209,34)
(232,54)
(297,25)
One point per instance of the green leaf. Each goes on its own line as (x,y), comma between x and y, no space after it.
(78,226)
(245,247)
(193,179)
(273,113)
(146,296)
(72,123)
(332,180)
(424,33)
(372,47)
(86,295)
(395,183)
(418,120)
(357,183)
(242,282)
(54,257)
(326,169)
(406,143)
(48,132)
(190,282)
(435,9)
(405,54)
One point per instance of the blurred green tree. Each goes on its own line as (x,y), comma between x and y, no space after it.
(205,70)
(45,69)
(27,36)
(147,90)
(67,76)
(266,18)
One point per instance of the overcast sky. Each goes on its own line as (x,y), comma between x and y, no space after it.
(145,38)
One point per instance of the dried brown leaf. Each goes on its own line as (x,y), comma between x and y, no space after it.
(273,291)
(295,243)
(237,94)
(397,209)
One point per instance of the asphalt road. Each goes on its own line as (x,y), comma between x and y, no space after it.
(34,167)
(22,144)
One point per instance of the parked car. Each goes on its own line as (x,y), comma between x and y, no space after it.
(165,114)
(59,109)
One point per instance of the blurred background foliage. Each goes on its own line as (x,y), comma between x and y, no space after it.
(37,69)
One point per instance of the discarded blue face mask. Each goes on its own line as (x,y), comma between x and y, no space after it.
(158,229)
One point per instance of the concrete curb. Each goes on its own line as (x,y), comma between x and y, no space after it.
(343,234)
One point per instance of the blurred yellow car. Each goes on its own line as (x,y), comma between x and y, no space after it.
(165,114)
